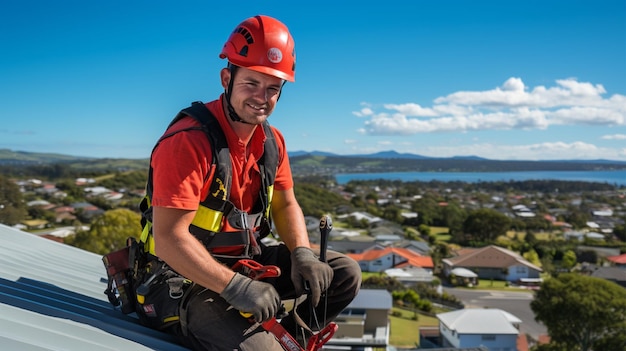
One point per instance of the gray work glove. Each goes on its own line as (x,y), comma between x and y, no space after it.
(305,266)
(252,296)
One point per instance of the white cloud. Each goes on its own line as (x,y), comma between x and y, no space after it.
(398,124)
(511,106)
(614,137)
(412,109)
(364,111)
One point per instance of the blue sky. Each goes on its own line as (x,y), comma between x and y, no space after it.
(532,80)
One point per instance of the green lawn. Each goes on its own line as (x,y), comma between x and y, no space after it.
(405,331)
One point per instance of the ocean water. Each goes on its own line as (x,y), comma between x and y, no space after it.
(612,177)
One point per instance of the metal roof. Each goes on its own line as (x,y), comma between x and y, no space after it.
(52,298)
(374,299)
(480,321)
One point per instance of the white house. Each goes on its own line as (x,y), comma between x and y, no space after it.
(495,329)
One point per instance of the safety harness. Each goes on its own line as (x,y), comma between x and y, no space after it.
(140,282)
(207,225)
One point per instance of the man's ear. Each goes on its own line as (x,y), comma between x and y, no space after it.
(225,77)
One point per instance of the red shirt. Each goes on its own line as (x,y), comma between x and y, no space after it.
(182,168)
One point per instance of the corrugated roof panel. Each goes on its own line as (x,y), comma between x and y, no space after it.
(372,299)
(480,321)
(52,298)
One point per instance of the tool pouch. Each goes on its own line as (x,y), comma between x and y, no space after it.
(119,289)
(159,294)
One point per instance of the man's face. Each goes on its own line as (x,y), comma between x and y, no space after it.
(254,94)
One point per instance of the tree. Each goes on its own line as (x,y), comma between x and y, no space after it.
(485,225)
(577,218)
(393,213)
(108,232)
(532,257)
(569,259)
(582,313)
(427,208)
(453,216)
(12,207)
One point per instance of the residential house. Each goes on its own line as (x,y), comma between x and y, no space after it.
(464,277)
(614,274)
(495,329)
(602,252)
(64,214)
(87,210)
(392,257)
(523,211)
(362,216)
(493,262)
(421,247)
(38,203)
(410,275)
(618,260)
(364,322)
(352,246)
(387,239)
(32,224)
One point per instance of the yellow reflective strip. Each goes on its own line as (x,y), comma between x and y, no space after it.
(270,195)
(145,232)
(208,219)
(171,319)
(149,246)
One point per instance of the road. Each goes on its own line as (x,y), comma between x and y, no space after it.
(514,302)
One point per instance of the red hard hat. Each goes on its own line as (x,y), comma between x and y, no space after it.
(262,44)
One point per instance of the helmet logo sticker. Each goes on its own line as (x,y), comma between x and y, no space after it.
(274,55)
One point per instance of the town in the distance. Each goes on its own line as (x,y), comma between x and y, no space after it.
(439,259)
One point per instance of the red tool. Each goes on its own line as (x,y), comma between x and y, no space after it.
(257,271)
(316,341)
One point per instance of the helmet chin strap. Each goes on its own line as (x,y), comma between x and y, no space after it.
(231,111)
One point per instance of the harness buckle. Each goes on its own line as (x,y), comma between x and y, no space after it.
(176,285)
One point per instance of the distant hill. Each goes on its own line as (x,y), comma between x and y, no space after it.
(317,162)
(390,161)
(23,158)
(389,155)
(10,158)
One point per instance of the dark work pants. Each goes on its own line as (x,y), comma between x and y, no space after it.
(211,325)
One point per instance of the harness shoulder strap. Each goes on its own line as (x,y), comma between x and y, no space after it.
(222,180)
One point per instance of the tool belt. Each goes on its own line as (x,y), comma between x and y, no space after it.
(158,293)
(141,282)
(160,290)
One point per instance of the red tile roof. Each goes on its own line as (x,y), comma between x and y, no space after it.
(412,258)
(621,259)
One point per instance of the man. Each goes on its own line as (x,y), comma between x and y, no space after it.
(261,57)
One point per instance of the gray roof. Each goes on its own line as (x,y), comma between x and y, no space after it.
(492,321)
(52,298)
(373,299)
